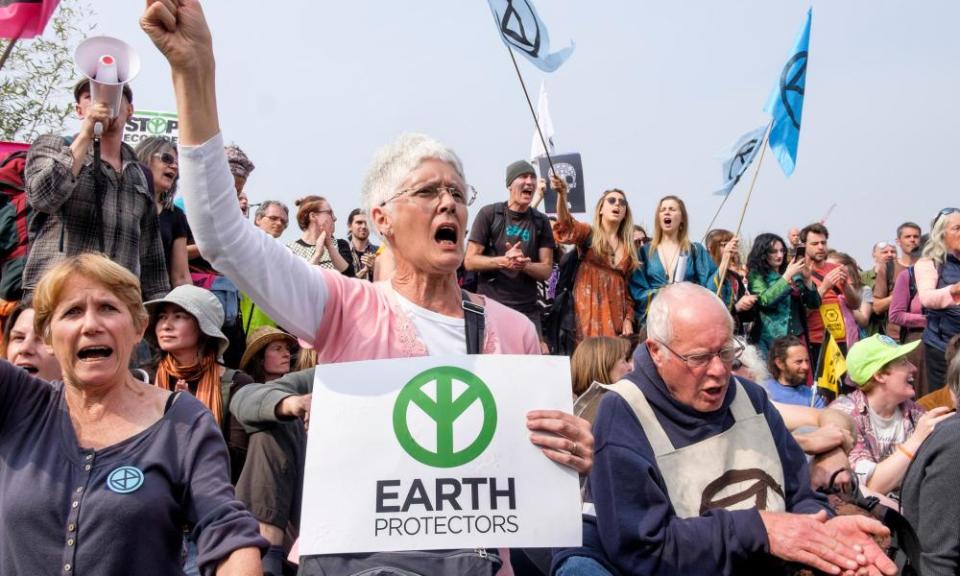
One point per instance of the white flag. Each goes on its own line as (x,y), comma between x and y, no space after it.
(546,126)
(740,157)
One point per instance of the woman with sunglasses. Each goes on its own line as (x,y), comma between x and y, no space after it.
(670,257)
(938,284)
(601,298)
(160,156)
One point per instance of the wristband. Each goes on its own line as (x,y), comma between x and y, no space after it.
(906,452)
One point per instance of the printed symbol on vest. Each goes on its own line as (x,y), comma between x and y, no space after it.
(515,26)
(739,164)
(757,491)
(444,411)
(125,479)
(793,79)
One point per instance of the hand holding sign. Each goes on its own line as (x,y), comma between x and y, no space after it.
(567,441)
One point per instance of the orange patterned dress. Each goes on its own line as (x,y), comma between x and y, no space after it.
(601,296)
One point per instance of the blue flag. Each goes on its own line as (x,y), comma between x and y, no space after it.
(522,30)
(786,102)
(741,156)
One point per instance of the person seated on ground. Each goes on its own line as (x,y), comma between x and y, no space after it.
(673,489)
(890,425)
(185,326)
(24,347)
(789,365)
(928,498)
(269,354)
(417,196)
(147,462)
(596,361)
(944,396)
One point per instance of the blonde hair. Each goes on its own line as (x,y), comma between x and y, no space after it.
(593,360)
(682,233)
(598,240)
(936,248)
(96,267)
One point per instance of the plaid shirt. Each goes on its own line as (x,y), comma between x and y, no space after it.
(868,446)
(66,205)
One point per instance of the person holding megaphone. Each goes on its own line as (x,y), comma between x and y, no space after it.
(89,191)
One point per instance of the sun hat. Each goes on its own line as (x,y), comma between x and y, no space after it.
(869,355)
(260,339)
(199,303)
(518,168)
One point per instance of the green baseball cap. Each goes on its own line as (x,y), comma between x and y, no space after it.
(869,355)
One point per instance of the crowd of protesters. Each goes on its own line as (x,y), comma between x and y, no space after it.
(182,342)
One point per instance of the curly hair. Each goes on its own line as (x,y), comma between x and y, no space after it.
(757,260)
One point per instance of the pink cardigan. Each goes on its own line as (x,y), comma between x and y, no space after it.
(385,331)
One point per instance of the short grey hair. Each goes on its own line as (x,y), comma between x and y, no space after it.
(659,327)
(753,363)
(266,204)
(394,162)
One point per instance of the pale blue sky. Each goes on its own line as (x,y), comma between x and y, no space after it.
(652,94)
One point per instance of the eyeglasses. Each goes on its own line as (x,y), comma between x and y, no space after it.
(167,158)
(944,212)
(328,211)
(613,200)
(726,355)
(428,194)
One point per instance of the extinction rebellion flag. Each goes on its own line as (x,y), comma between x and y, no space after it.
(522,30)
(25,18)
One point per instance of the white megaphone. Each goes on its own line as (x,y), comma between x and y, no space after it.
(109,63)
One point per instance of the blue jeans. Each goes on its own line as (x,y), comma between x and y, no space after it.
(190,567)
(581,566)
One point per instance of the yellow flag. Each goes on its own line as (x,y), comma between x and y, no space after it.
(832,365)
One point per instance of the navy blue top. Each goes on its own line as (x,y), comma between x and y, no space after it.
(115,511)
(636,529)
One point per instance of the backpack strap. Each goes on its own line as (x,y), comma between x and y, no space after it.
(497,226)
(474,321)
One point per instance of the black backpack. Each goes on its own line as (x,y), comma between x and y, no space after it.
(560,322)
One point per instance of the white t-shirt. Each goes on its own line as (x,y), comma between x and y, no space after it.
(889,433)
(441,334)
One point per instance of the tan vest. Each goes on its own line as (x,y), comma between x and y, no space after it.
(735,470)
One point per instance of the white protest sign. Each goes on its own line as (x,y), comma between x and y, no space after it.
(433,453)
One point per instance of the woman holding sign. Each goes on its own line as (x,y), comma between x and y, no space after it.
(416,195)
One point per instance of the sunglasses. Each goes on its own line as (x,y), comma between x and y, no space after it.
(944,212)
(613,200)
(167,158)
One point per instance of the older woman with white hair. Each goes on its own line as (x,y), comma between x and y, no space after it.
(938,284)
(417,196)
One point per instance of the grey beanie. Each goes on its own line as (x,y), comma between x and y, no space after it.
(519,168)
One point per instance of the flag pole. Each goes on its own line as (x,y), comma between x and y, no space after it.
(715,215)
(536,122)
(725,263)
(8,50)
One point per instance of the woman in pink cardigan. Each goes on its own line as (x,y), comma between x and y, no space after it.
(417,197)
(938,285)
